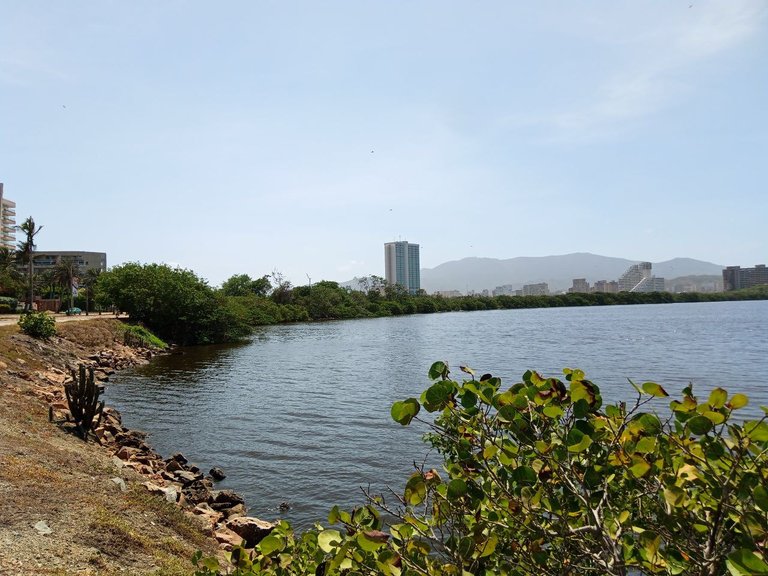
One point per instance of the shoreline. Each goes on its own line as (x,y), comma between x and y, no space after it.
(31,386)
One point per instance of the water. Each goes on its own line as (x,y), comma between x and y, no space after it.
(301,413)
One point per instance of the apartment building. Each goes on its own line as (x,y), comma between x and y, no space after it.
(7,222)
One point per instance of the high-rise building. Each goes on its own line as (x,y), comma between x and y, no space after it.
(735,277)
(7,222)
(540,289)
(580,285)
(402,265)
(639,278)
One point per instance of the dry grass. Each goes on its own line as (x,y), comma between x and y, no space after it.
(48,474)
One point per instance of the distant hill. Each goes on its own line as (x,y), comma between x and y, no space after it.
(558,271)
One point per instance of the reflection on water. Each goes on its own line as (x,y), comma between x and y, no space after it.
(301,413)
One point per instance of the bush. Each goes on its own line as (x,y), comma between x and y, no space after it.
(8,304)
(542,478)
(38,325)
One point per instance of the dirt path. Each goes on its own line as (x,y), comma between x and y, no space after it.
(12,319)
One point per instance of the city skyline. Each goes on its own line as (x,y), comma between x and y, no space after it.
(252,138)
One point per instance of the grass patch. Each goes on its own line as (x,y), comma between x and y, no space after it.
(167,514)
(99,333)
(113,535)
(136,335)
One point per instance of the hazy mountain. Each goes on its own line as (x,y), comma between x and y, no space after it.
(557,271)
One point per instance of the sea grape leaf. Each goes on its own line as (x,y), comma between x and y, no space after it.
(744,562)
(654,389)
(717,398)
(738,401)
(327,540)
(404,411)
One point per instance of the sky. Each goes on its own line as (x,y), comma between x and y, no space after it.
(247,137)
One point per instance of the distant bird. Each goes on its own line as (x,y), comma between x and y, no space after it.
(63,106)
(371,151)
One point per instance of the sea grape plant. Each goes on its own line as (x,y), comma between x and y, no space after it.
(543,478)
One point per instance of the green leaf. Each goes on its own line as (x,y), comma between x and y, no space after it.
(738,401)
(456,488)
(746,563)
(372,540)
(639,467)
(525,475)
(760,495)
(674,495)
(488,547)
(270,544)
(717,398)
(654,389)
(699,425)
(415,489)
(714,417)
(646,445)
(403,412)
(438,370)
(327,540)
(757,431)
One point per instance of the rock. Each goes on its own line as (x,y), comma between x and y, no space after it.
(223,499)
(187,477)
(179,457)
(234,511)
(121,483)
(227,538)
(125,452)
(210,516)
(252,530)
(217,473)
(196,492)
(173,466)
(43,528)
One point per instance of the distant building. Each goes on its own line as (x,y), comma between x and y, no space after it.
(449,293)
(402,265)
(639,278)
(606,287)
(580,285)
(505,290)
(541,289)
(736,277)
(7,222)
(42,261)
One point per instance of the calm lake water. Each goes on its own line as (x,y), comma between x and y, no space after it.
(301,413)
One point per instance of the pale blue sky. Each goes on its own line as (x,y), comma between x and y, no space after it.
(243,137)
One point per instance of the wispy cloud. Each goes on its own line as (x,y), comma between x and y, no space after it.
(650,78)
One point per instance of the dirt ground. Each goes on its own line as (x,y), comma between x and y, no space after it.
(68,507)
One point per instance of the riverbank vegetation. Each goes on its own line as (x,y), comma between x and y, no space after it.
(542,478)
(182,308)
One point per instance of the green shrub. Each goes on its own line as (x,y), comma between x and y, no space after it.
(38,325)
(542,478)
(10,303)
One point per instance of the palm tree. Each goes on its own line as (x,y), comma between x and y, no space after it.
(66,273)
(26,252)
(90,281)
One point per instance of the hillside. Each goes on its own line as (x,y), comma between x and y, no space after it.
(557,271)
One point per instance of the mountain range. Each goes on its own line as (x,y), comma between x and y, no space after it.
(558,272)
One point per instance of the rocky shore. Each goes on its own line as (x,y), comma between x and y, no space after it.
(33,373)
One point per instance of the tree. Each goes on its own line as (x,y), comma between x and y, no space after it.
(174,303)
(542,478)
(9,272)
(243,285)
(65,275)
(26,250)
(90,281)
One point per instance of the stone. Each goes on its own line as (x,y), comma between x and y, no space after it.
(227,538)
(179,457)
(121,483)
(187,477)
(217,473)
(43,528)
(235,511)
(210,516)
(173,466)
(196,493)
(252,530)
(223,499)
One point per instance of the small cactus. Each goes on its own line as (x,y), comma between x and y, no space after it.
(83,399)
